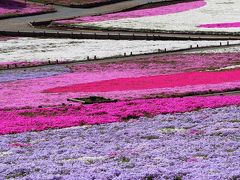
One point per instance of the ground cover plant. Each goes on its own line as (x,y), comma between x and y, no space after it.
(32,73)
(131,128)
(38,119)
(202,15)
(195,145)
(131,83)
(152,82)
(21,51)
(12,8)
(155,65)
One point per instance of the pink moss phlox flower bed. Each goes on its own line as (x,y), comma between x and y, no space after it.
(152,82)
(163,10)
(38,119)
(166,64)
(221,25)
(86,73)
(17,7)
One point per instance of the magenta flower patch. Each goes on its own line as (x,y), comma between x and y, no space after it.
(152,82)
(38,119)
(221,25)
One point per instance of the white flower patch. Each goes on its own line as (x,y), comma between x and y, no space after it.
(34,49)
(216,11)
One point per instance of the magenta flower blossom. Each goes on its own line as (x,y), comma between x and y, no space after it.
(38,119)
(151,82)
(221,25)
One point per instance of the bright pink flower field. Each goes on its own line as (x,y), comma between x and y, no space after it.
(163,10)
(38,119)
(151,82)
(221,25)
